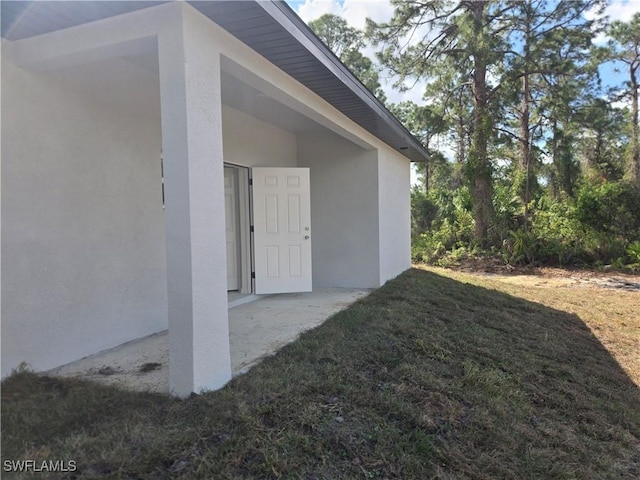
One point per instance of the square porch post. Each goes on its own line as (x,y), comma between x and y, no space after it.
(199,354)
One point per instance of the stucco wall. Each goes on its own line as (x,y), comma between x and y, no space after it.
(250,142)
(395,213)
(83,252)
(83,239)
(344,210)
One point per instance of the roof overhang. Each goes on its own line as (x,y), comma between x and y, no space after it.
(271,28)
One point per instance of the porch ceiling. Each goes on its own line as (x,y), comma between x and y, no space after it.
(270,28)
(241,96)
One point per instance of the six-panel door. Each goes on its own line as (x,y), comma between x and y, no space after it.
(282,230)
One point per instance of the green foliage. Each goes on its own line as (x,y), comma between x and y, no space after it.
(595,228)
(625,48)
(521,247)
(610,208)
(633,251)
(508,207)
(423,210)
(601,150)
(560,236)
(539,150)
(452,228)
(347,42)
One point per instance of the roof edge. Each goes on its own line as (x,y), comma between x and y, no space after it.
(280,10)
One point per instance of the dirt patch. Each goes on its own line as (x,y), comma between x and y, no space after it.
(150,367)
(549,276)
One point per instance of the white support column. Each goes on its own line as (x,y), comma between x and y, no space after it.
(199,355)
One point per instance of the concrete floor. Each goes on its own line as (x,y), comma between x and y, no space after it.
(256,329)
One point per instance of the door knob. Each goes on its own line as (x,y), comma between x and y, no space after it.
(306,237)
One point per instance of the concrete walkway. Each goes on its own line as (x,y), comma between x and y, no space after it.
(257,329)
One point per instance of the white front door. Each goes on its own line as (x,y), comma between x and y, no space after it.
(282,230)
(232,227)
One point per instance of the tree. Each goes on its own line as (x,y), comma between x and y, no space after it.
(602,140)
(450,98)
(347,42)
(625,45)
(424,122)
(549,67)
(467,36)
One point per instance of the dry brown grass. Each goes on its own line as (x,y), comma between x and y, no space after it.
(436,375)
(600,300)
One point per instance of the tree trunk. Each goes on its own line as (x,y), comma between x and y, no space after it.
(635,140)
(525,138)
(479,165)
(525,144)
(461,133)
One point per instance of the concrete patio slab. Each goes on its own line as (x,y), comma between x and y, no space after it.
(256,330)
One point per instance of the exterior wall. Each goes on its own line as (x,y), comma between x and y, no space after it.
(250,142)
(344,210)
(83,253)
(83,241)
(394,213)
(190,96)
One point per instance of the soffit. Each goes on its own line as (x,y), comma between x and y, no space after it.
(270,28)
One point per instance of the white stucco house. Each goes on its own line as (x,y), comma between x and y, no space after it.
(157,155)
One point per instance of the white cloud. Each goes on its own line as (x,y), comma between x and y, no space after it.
(414,93)
(616,10)
(621,10)
(312,9)
(356,11)
(353,11)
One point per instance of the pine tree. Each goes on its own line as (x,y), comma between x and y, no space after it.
(625,46)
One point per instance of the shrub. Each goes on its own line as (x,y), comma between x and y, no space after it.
(633,251)
(610,207)
(521,247)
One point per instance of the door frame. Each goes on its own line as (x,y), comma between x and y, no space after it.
(246,240)
(245,284)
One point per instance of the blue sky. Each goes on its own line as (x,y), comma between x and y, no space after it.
(355,12)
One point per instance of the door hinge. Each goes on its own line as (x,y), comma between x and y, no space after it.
(251,181)
(251,228)
(253,274)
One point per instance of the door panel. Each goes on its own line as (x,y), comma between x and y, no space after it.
(282,230)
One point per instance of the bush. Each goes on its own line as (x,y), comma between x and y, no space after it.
(560,235)
(600,225)
(610,207)
(521,247)
(633,251)
(423,211)
(446,223)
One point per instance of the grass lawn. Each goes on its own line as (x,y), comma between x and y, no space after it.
(436,375)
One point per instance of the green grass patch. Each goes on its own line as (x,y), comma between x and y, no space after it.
(427,377)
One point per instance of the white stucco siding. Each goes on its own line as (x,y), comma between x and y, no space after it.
(344,210)
(394,212)
(253,143)
(190,95)
(83,250)
(85,253)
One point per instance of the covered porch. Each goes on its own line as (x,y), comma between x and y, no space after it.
(257,329)
(118,207)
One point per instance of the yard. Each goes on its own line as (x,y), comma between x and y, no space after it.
(438,374)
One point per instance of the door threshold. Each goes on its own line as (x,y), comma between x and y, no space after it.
(238,300)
